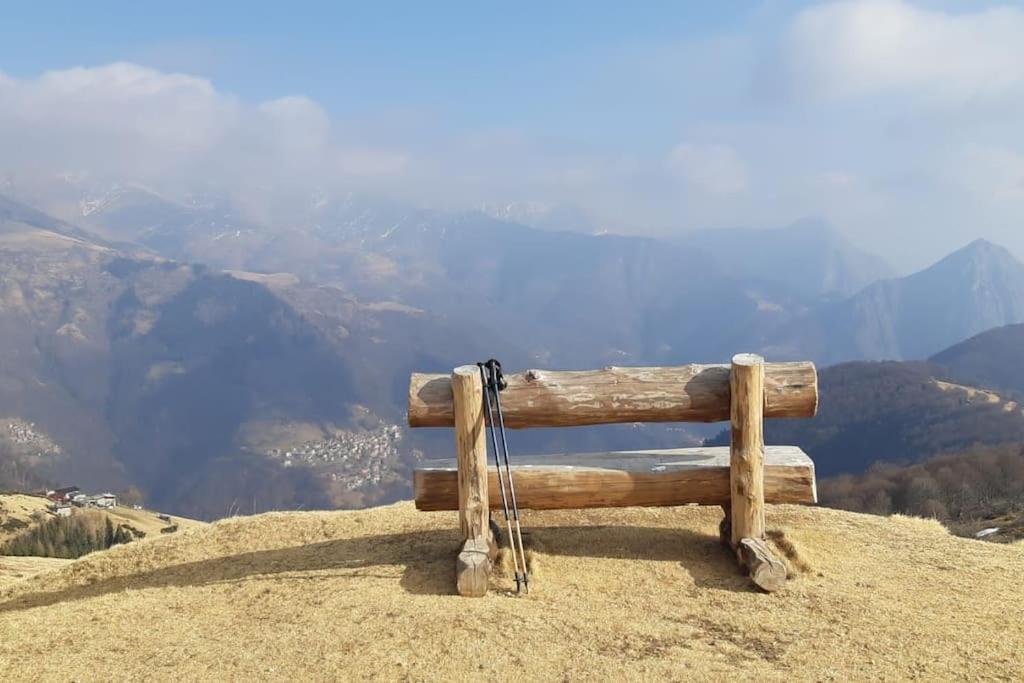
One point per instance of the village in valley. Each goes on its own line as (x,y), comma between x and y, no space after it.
(353,459)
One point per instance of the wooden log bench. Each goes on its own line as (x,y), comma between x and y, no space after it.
(741,477)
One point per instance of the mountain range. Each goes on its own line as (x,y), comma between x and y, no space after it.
(974,289)
(220,362)
(810,257)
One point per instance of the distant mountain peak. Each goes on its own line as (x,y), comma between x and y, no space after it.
(984,246)
(979,255)
(977,287)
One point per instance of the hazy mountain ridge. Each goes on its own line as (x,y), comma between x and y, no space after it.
(976,288)
(194,384)
(150,372)
(810,257)
(780,291)
(468,266)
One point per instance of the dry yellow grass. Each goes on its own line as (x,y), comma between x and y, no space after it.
(619,594)
(16,511)
(148,521)
(19,512)
(14,569)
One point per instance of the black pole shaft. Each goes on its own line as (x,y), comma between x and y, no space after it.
(488,384)
(496,386)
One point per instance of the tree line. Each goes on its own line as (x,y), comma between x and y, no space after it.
(978,483)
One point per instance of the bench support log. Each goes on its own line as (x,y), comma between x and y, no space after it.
(473,565)
(766,570)
(746,456)
(744,521)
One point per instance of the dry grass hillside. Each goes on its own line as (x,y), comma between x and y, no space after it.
(18,511)
(618,594)
(21,513)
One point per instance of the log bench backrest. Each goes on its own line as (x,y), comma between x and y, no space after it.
(689,393)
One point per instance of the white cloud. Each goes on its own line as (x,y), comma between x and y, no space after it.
(119,115)
(123,80)
(712,168)
(125,122)
(907,134)
(865,47)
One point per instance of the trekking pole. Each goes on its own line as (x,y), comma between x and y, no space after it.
(488,383)
(499,384)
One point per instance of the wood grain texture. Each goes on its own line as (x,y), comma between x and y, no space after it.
(471,452)
(766,571)
(623,479)
(473,568)
(689,393)
(746,460)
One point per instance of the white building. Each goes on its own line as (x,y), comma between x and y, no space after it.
(106,500)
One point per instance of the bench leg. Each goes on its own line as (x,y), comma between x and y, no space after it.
(473,565)
(766,571)
(745,516)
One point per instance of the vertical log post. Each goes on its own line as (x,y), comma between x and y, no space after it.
(746,458)
(473,565)
(746,472)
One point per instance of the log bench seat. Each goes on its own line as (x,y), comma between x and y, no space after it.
(676,476)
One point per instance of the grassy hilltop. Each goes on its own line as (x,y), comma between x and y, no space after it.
(634,593)
(24,516)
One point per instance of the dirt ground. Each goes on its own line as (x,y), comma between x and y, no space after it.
(619,594)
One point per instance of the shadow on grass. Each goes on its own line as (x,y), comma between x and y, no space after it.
(700,555)
(427,559)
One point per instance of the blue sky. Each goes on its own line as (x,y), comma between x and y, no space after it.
(516,64)
(895,120)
